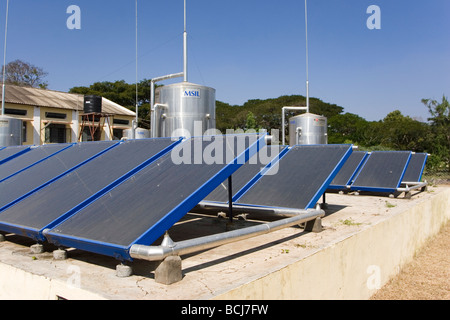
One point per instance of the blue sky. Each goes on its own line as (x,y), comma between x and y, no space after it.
(247,49)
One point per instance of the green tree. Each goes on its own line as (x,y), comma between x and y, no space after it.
(440,129)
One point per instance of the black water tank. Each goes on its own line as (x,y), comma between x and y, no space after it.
(92,104)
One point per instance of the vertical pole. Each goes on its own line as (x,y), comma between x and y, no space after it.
(307,79)
(185,46)
(4,59)
(134,129)
(230,199)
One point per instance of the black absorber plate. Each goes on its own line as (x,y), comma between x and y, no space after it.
(300,178)
(382,171)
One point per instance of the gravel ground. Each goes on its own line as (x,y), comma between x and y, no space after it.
(427,277)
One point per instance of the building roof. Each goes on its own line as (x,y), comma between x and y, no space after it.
(57,99)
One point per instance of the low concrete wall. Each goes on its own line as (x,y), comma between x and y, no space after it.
(17,284)
(358,265)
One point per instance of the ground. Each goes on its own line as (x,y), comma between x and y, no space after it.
(427,277)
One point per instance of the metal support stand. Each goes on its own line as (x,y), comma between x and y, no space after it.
(324,202)
(230,199)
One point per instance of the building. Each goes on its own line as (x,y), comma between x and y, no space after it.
(58,117)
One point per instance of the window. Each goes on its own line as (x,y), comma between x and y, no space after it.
(56,133)
(118,134)
(55,115)
(17,112)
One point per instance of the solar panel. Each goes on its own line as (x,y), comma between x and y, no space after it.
(142,208)
(246,173)
(30,158)
(382,172)
(31,215)
(9,153)
(37,176)
(299,179)
(415,167)
(349,170)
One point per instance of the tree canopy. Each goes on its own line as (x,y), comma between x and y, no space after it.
(21,73)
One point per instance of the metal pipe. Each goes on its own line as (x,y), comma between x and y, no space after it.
(215,207)
(152,95)
(158,253)
(411,186)
(155,128)
(283,139)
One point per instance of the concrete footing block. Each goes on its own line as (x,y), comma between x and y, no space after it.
(2,237)
(314,225)
(60,254)
(169,271)
(123,270)
(37,248)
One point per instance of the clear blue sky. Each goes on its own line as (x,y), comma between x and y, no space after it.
(247,49)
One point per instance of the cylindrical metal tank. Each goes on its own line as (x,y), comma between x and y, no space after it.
(141,133)
(10,131)
(308,128)
(92,104)
(183,109)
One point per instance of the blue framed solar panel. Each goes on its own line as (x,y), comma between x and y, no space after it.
(51,204)
(383,171)
(29,159)
(140,209)
(415,167)
(249,172)
(26,182)
(349,170)
(9,153)
(298,179)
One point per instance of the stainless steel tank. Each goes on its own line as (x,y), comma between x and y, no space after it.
(10,131)
(140,133)
(183,109)
(308,128)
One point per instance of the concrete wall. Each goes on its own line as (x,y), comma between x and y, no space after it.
(17,284)
(354,267)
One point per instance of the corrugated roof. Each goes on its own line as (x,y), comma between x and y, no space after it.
(57,99)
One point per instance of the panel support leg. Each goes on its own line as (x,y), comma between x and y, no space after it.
(314,225)
(169,271)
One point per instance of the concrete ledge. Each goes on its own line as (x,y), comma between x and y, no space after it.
(366,239)
(357,265)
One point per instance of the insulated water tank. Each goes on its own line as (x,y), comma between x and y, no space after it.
(92,104)
(308,128)
(10,131)
(183,109)
(140,133)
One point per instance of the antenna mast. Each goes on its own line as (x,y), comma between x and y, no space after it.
(185,46)
(4,60)
(307,80)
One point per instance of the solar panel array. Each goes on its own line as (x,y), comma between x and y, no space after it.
(106,196)
(380,171)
